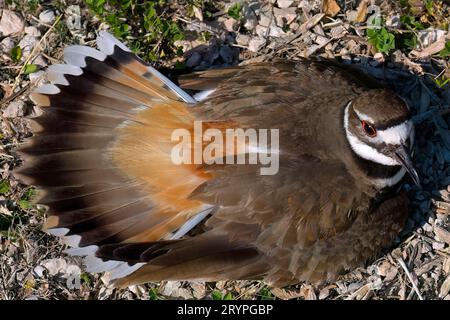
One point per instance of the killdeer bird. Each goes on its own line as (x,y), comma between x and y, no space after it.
(101,156)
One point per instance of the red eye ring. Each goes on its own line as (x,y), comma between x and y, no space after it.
(369,129)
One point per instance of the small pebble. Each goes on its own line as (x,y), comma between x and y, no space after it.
(427,227)
(6,45)
(242,39)
(265,19)
(438,245)
(10,23)
(32,31)
(256,44)
(194,60)
(284,3)
(73,19)
(261,31)
(47,16)
(250,15)
(226,53)
(15,109)
(27,43)
(276,32)
(39,271)
(230,24)
(394,22)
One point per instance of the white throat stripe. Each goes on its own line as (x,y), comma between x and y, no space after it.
(390,181)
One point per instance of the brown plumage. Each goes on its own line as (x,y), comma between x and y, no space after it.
(102,156)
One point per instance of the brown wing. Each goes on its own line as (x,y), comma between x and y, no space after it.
(101,152)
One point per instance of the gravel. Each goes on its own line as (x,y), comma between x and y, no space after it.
(10,23)
(47,16)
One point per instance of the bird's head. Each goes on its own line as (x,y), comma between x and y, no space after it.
(379,129)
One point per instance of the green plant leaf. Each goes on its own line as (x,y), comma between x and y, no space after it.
(228,296)
(24,204)
(84,277)
(410,22)
(216,295)
(153,294)
(444,53)
(5,222)
(16,53)
(429,6)
(147,26)
(4,186)
(381,39)
(441,81)
(409,41)
(28,194)
(265,294)
(235,11)
(30,68)
(96,5)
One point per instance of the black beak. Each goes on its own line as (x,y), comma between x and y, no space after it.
(402,155)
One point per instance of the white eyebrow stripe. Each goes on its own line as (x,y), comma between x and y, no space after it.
(363,116)
(394,135)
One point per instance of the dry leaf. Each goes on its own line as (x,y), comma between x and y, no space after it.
(416,6)
(5,211)
(7,89)
(446,266)
(442,234)
(324,293)
(311,22)
(445,288)
(384,268)
(308,293)
(198,13)
(286,295)
(330,7)
(433,48)
(199,289)
(360,293)
(362,11)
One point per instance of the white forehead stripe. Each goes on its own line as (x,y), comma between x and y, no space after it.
(363,150)
(363,116)
(394,135)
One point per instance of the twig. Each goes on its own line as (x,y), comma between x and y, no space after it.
(51,59)
(202,26)
(33,53)
(239,46)
(14,95)
(410,277)
(301,32)
(10,68)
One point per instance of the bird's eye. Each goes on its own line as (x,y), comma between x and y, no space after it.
(369,129)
